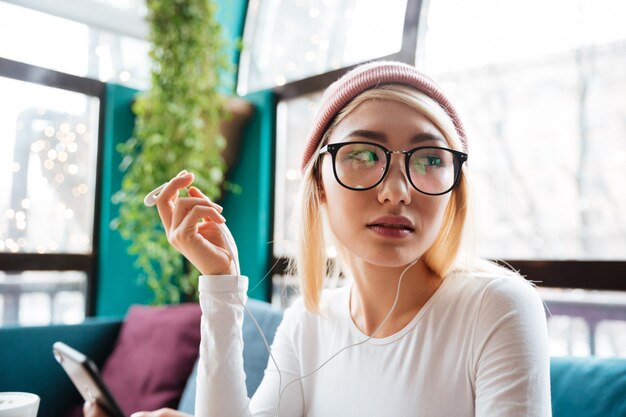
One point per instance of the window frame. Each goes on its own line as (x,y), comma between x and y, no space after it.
(87,263)
(580,274)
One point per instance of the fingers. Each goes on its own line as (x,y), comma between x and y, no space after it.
(222,238)
(203,243)
(188,226)
(233,246)
(212,232)
(167,197)
(184,205)
(88,409)
(195,192)
(163,412)
(91,409)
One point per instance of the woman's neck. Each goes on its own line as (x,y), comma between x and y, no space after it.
(374,292)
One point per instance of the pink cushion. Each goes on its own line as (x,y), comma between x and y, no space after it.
(153,356)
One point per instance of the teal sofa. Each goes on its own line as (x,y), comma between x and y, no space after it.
(581,387)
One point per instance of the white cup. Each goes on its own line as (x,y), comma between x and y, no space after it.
(18,404)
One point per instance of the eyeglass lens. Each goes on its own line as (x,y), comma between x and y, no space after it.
(432,170)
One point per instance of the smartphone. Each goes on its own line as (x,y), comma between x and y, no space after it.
(86,377)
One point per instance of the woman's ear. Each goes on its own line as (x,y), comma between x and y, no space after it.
(320,189)
(322,194)
(319,183)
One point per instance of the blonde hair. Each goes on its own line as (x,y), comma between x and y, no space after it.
(310,262)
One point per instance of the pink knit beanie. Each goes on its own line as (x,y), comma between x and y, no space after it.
(367,76)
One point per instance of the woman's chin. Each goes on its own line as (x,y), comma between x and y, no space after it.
(390,259)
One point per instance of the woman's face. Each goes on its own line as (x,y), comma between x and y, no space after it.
(391,224)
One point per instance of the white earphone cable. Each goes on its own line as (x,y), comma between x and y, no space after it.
(230,244)
(282,389)
(150,201)
(349,346)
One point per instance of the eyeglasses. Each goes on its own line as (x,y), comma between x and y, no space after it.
(361,166)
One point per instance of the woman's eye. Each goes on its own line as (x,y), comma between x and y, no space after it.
(363,156)
(428,161)
(423,163)
(433,161)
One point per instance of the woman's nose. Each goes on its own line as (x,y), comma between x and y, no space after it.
(395,187)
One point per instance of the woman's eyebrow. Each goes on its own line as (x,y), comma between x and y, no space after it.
(423,137)
(381,137)
(369,134)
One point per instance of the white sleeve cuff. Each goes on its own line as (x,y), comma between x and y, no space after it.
(223,283)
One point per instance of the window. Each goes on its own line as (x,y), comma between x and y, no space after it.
(48,193)
(294,117)
(291,40)
(51,116)
(87,50)
(539,86)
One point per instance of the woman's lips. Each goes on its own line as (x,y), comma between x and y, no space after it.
(392,226)
(390,231)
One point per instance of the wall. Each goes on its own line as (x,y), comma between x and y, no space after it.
(117,282)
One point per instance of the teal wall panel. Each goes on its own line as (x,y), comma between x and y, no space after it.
(231,15)
(248,214)
(118,285)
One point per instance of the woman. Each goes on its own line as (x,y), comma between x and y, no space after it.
(423,329)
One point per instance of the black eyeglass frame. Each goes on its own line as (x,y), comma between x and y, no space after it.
(333,148)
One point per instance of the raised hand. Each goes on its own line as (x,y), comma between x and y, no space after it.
(191,224)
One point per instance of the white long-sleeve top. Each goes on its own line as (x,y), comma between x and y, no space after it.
(478,347)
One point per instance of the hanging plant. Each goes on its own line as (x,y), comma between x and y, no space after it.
(177,127)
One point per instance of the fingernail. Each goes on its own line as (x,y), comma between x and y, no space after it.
(222,217)
(87,405)
(183,172)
